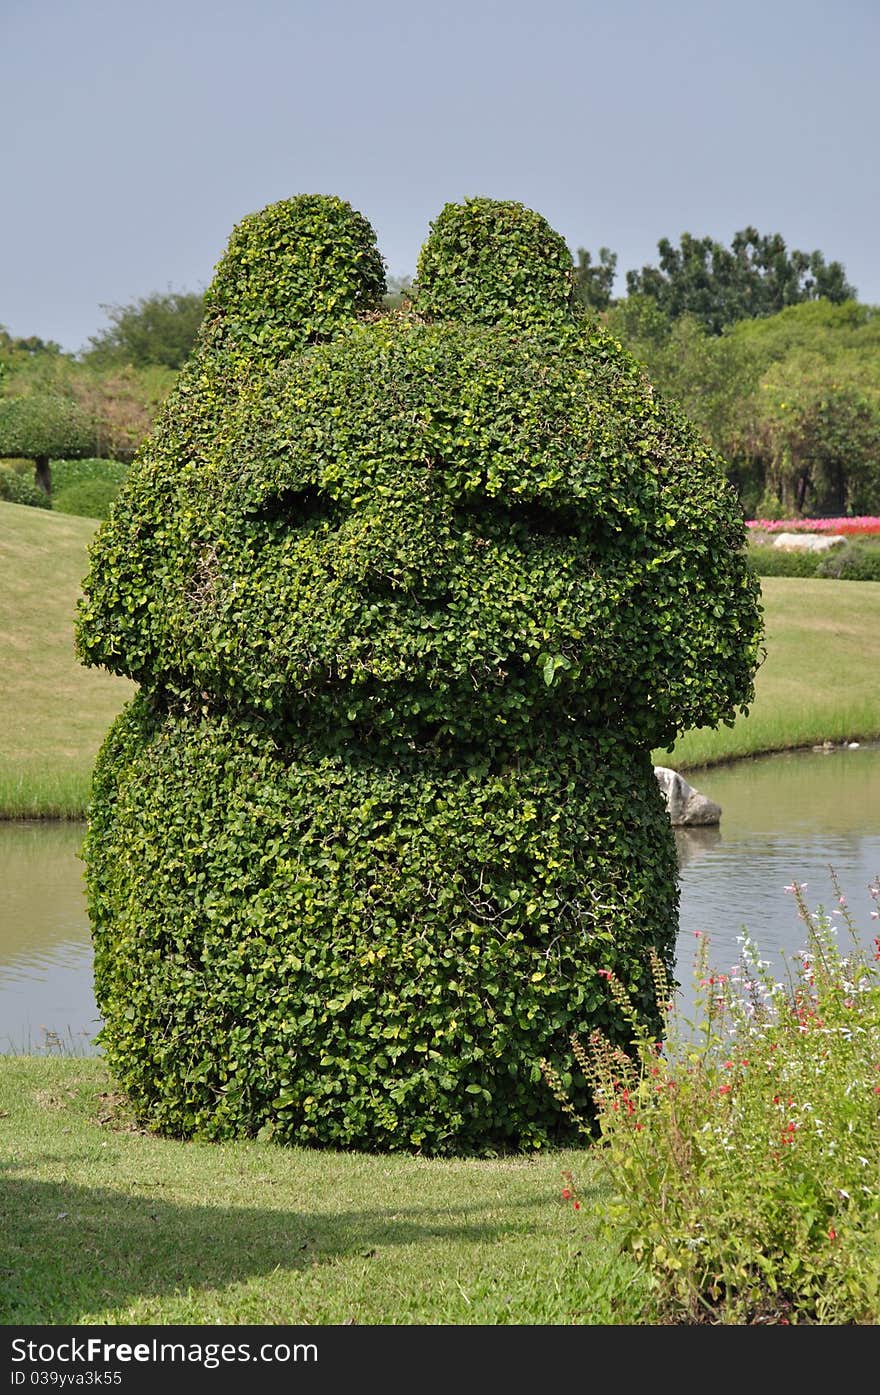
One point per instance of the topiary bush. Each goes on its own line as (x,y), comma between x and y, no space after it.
(42,426)
(411,597)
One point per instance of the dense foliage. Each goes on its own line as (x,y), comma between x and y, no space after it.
(44,425)
(411,596)
(485,262)
(744,1154)
(791,401)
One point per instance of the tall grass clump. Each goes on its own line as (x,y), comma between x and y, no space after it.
(743,1149)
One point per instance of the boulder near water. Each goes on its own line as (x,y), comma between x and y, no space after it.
(687,808)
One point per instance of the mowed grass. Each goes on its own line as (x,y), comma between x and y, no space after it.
(53,712)
(101,1225)
(818,681)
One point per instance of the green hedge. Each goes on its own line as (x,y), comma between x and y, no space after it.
(91,499)
(411,597)
(66,473)
(851,561)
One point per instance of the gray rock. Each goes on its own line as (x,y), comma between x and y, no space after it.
(808,542)
(685,805)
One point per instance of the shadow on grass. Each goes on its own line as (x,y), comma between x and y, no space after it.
(68,1250)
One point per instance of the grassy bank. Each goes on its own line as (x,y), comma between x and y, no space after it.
(818,682)
(103,1225)
(53,712)
(819,679)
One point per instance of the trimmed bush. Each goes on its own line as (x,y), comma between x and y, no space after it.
(44,425)
(91,499)
(776,561)
(855,561)
(358,951)
(411,599)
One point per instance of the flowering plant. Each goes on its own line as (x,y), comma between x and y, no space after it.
(861,527)
(743,1149)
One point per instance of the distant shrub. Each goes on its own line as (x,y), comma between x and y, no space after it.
(90,499)
(857,561)
(774,561)
(66,473)
(18,488)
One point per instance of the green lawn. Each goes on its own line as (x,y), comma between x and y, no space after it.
(819,679)
(99,1224)
(53,712)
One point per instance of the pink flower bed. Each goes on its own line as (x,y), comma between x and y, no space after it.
(865,526)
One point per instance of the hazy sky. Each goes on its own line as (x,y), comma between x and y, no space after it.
(135,135)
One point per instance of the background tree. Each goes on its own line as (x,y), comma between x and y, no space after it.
(790,401)
(56,407)
(755,276)
(594,284)
(158,329)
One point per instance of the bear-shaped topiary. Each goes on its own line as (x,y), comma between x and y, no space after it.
(410,596)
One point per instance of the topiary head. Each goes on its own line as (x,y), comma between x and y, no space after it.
(460,522)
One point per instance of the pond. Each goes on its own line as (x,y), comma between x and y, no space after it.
(784,818)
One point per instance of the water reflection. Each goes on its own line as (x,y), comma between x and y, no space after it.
(46,993)
(784,818)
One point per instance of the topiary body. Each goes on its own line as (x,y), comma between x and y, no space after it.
(410,598)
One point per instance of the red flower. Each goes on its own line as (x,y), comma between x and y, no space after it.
(566,1193)
(832,1233)
(577,1206)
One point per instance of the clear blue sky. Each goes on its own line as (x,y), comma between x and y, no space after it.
(135,135)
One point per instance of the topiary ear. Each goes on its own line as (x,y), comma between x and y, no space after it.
(487,260)
(293,274)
